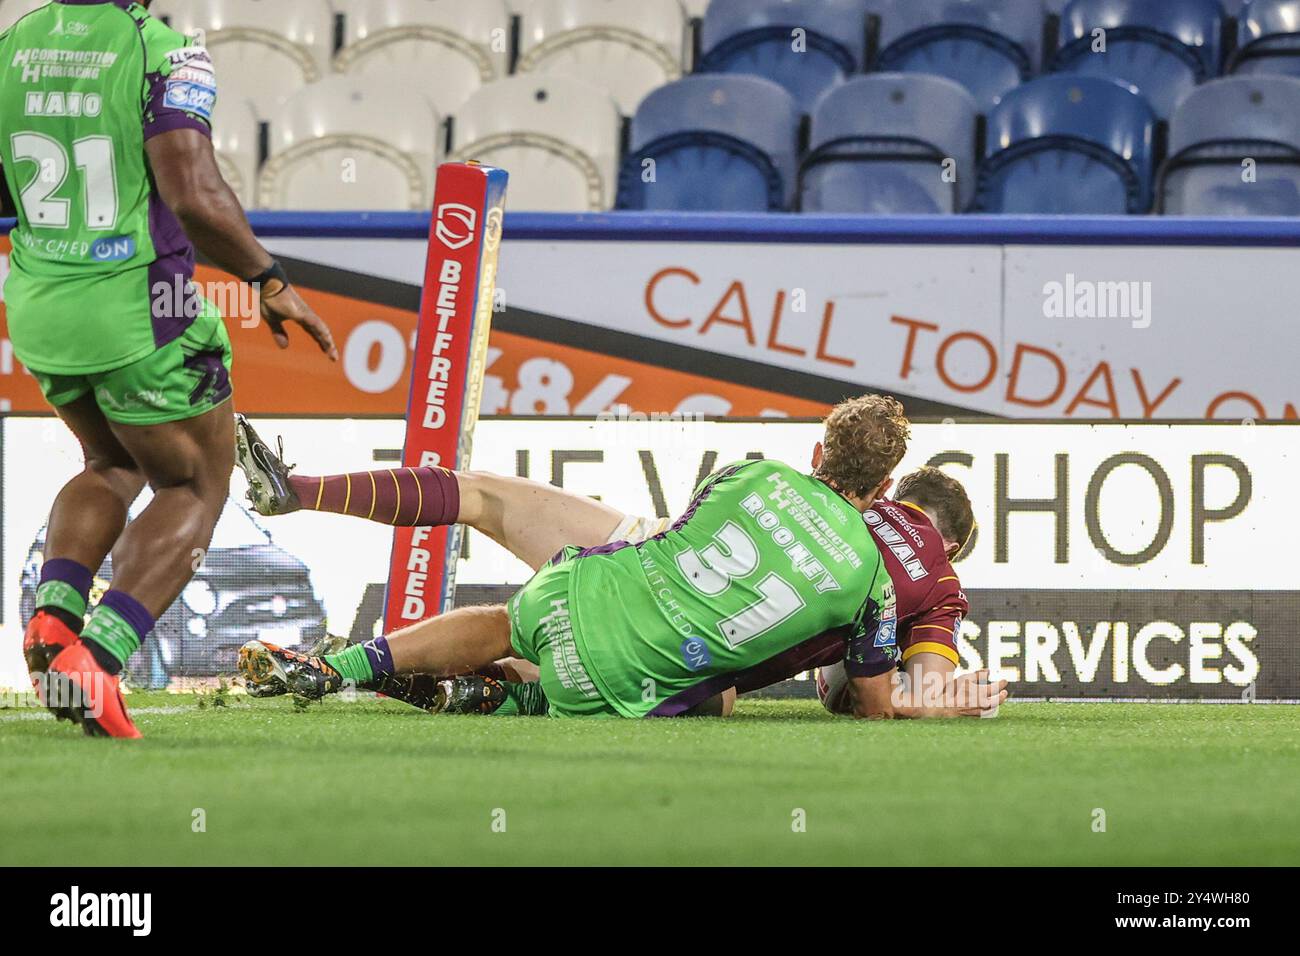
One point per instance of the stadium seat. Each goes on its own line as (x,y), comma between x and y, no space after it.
(558,137)
(1068,144)
(757,37)
(879,144)
(712,143)
(263,50)
(11,11)
(1268,38)
(235,140)
(456,46)
(1234,150)
(1163,49)
(988,46)
(629,47)
(352,143)
(1230,7)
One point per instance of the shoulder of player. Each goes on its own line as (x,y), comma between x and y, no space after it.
(167,49)
(740,464)
(946,593)
(900,525)
(907,514)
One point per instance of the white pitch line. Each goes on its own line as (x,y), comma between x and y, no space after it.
(35,714)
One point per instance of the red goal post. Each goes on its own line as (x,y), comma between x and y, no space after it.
(447,374)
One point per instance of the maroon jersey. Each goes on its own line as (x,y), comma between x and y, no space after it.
(931,604)
(929,600)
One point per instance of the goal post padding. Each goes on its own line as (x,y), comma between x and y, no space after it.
(447,374)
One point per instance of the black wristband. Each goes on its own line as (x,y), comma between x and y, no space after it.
(275,271)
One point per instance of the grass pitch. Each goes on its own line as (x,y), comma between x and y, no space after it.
(377,782)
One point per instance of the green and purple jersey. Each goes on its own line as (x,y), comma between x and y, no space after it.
(100,268)
(767,566)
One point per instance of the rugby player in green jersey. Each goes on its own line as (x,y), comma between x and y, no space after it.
(767,566)
(106,148)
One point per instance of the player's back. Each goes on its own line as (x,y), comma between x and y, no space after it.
(929,601)
(81,87)
(765,564)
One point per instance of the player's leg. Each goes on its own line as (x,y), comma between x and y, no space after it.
(88,514)
(188,465)
(446,694)
(459,642)
(171,413)
(530,519)
(533,521)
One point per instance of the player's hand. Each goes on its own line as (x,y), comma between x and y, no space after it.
(285,305)
(975,696)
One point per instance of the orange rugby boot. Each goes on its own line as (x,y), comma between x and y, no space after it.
(45,638)
(91,696)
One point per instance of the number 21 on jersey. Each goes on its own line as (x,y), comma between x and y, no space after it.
(93,156)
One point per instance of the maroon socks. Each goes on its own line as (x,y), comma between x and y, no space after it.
(410,497)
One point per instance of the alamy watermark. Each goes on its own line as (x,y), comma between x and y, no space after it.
(85,694)
(75,908)
(179,298)
(1077,298)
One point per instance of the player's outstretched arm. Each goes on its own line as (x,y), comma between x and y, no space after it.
(185,170)
(895,696)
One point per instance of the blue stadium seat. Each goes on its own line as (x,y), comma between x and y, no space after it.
(988,46)
(756,37)
(1163,48)
(880,142)
(1068,145)
(712,143)
(1234,150)
(1268,38)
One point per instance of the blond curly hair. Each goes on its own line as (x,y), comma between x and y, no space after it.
(866,438)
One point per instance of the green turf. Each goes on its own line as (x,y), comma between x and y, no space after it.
(377,782)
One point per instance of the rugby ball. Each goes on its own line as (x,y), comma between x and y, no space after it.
(833,689)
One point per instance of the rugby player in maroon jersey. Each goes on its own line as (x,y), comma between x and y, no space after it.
(920,532)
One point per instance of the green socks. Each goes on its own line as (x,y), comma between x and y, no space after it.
(116,627)
(110,631)
(352,663)
(62,595)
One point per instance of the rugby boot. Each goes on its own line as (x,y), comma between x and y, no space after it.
(45,638)
(267,474)
(90,695)
(468,694)
(270,671)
